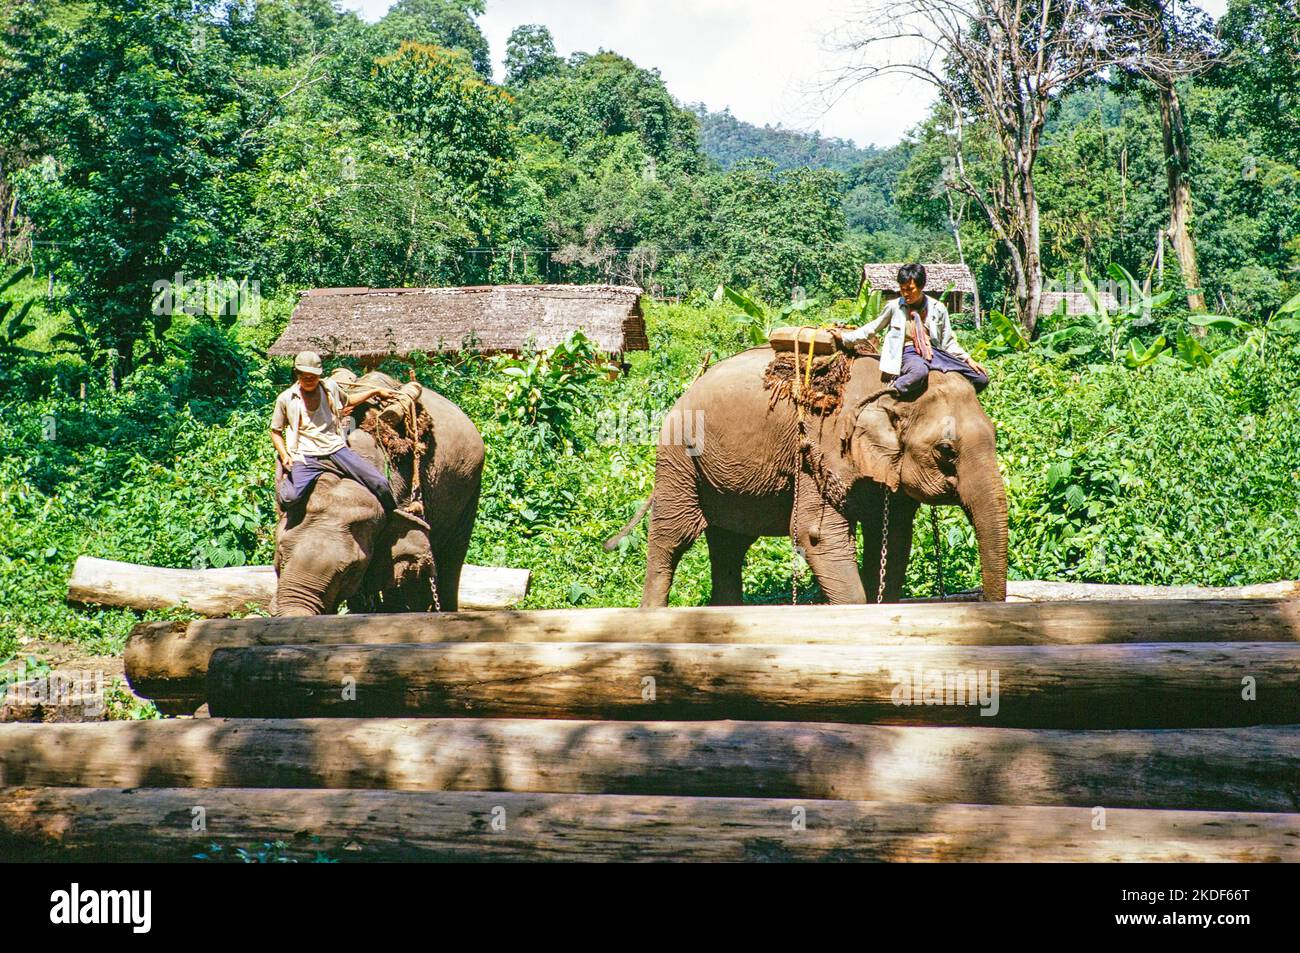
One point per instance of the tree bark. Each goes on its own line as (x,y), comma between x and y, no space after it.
(168,661)
(1246,769)
(221,592)
(94,824)
(1176,685)
(1178,164)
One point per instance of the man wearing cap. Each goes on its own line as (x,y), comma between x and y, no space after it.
(307,433)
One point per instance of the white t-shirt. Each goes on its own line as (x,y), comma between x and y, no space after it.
(315,433)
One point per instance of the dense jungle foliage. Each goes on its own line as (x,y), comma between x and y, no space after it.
(283,143)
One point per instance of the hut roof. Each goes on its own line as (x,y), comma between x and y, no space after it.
(1076,302)
(379,322)
(938,277)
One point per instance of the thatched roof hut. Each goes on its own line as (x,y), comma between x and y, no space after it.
(377,323)
(1076,302)
(944,281)
(884,277)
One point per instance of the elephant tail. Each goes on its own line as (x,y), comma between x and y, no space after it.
(613,541)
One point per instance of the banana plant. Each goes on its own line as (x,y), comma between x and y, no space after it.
(1010,332)
(1256,339)
(1136,313)
(758,321)
(1136,357)
(12,329)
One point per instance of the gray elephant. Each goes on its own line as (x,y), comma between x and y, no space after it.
(874,456)
(341,547)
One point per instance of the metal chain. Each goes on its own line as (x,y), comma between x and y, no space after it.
(938,553)
(433,588)
(884,550)
(794,538)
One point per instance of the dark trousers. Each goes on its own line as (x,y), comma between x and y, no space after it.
(344,463)
(916,369)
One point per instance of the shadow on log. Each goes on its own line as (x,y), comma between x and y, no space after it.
(1248,769)
(94,824)
(1176,685)
(167,662)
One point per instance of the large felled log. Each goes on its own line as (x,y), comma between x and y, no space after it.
(1178,685)
(220,592)
(1029,590)
(1254,769)
(157,824)
(167,662)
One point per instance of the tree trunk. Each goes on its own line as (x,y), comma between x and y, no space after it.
(222,592)
(1246,769)
(1175,685)
(89,824)
(168,661)
(1178,164)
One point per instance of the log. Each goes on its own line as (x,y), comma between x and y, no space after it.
(1030,590)
(157,824)
(167,662)
(221,592)
(1178,685)
(1240,769)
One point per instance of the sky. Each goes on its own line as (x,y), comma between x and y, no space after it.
(769,61)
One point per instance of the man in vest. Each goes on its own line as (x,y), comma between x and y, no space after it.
(307,433)
(931,344)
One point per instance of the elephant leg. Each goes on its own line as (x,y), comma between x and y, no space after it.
(902,514)
(672,531)
(726,560)
(830,545)
(449,556)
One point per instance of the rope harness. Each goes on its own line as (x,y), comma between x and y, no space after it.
(799,386)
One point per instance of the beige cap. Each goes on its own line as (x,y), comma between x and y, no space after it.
(308,362)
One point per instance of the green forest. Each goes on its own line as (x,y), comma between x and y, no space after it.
(244,151)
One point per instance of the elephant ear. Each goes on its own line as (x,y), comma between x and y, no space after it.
(876,442)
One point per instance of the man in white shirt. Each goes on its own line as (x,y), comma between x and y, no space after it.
(306,430)
(931,343)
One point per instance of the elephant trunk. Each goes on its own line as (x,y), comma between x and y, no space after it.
(295,597)
(984,499)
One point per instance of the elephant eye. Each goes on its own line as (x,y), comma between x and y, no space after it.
(946,451)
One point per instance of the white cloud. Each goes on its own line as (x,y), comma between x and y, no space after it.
(765,59)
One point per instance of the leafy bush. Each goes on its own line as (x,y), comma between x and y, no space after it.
(1170,475)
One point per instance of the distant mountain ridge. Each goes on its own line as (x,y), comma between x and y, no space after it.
(728,140)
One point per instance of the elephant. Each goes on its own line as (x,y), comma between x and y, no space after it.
(342,549)
(748,472)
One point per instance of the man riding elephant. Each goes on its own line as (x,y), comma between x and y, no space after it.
(307,432)
(931,343)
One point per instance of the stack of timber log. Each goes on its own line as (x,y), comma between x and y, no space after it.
(962,731)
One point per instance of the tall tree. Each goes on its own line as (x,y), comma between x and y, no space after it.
(1262,66)
(1003,63)
(145,123)
(448,23)
(1173,42)
(530,54)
